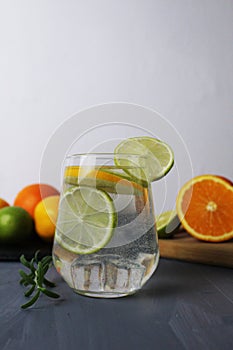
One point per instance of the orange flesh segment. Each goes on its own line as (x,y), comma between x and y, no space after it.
(206,206)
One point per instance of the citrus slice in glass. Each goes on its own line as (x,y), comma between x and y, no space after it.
(167,224)
(106,178)
(86,220)
(155,161)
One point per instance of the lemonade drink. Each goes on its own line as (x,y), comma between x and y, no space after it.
(105,243)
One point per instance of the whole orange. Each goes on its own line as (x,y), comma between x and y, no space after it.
(45,216)
(3,203)
(31,195)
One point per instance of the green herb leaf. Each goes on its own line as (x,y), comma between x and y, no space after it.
(46,260)
(36,278)
(49,283)
(49,293)
(32,301)
(36,257)
(30,290)
(24,261)
(39,274)
(26,278)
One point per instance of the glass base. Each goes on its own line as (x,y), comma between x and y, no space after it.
(110,295)
(107,276)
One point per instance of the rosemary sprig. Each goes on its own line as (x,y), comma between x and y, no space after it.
(35,279)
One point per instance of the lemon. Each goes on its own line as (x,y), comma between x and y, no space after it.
(16,225)
(45,215)
(86,220)
(156,159)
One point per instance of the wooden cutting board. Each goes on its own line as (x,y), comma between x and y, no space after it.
(184,247)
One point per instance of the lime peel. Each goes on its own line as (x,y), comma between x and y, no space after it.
(167,224)
(155,159)
(86,220)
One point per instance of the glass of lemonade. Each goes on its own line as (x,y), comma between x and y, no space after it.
(105,243)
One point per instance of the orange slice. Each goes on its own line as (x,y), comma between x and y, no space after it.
(205,208)
(104,178)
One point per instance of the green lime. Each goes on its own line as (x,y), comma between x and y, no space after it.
(167,224)
(86,220)
(155,162)
(16,225)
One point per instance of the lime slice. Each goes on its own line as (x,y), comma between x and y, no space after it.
(155,162)
(109,179)
(123,174)
(167,224)
(86,220)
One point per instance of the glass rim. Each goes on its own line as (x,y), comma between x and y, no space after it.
(105,155)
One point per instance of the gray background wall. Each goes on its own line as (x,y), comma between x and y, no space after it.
(59,57)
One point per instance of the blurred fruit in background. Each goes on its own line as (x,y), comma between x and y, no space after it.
(31,195)
(45,216)
(16,225)
(3,203)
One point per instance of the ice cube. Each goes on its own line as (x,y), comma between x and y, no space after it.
(106,274)
(87,275)
(123,275)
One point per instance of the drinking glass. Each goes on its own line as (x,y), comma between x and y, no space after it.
(105,242)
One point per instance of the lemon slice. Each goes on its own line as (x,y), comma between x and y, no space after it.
(86,220)
(155,162)
(167,224)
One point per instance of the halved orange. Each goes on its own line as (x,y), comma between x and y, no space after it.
(205,208)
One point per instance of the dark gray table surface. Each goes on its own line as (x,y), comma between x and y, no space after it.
(183,306)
